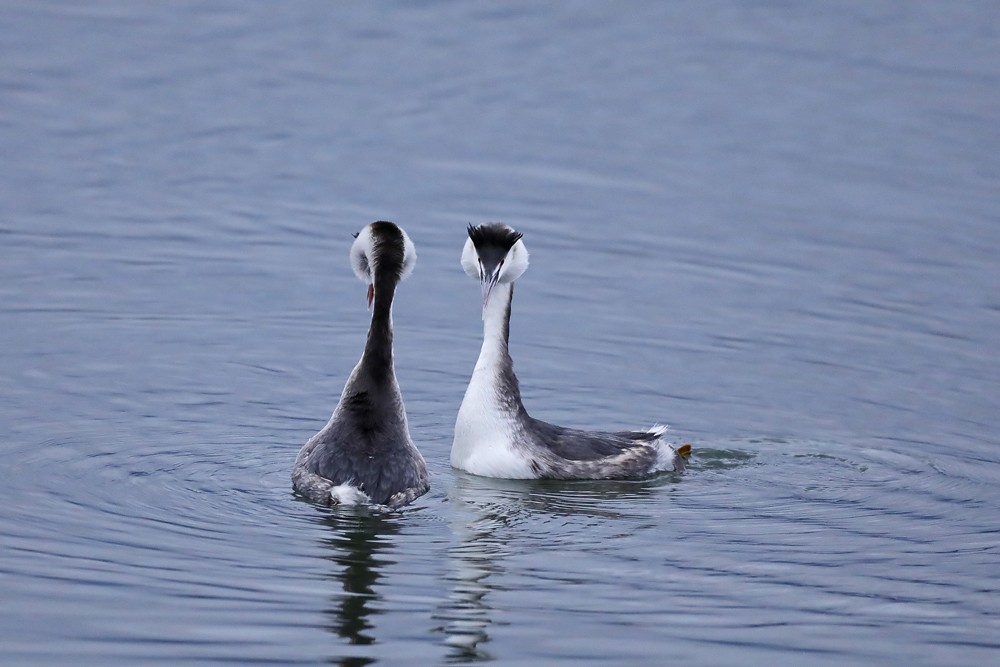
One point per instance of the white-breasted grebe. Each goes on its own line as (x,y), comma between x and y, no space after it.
(494,434)
(364,454)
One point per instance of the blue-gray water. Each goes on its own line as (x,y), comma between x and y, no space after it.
(774,226)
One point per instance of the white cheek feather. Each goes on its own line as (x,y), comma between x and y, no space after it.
(470,259)
(361,253)
(409,256)
(515,263)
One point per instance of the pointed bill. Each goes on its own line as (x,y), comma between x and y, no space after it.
(488,283)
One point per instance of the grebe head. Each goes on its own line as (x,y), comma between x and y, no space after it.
(494,254)
(382,249)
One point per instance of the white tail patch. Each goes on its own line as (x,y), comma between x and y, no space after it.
(345,494)
(659,430)
(667,457)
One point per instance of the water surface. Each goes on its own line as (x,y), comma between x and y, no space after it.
(772,226)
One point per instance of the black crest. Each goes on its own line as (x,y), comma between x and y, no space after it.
(493,235)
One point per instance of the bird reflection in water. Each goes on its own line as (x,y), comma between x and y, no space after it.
(473,561)
(358,539)
(492,517)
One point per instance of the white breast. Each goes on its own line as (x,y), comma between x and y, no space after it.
(484,434)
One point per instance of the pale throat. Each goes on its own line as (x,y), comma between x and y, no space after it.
(495,327)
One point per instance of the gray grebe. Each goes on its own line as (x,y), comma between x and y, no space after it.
(494,434)
(364,454)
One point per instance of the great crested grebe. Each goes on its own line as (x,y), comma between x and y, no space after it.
(364,454)
(494,435)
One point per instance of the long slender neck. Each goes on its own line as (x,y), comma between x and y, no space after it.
(496,328)
(378,349)
(494,358)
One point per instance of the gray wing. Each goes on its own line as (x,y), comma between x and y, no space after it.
(566,453)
